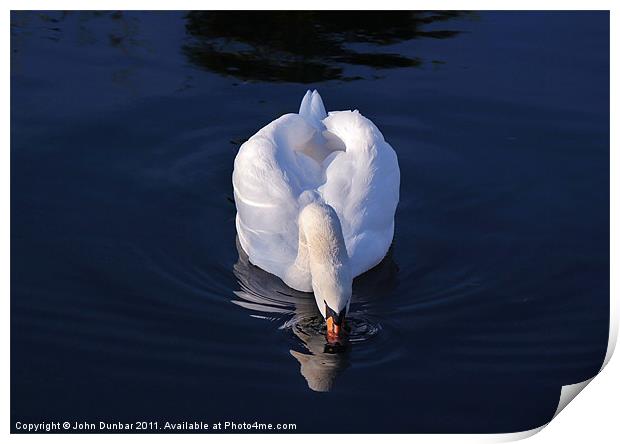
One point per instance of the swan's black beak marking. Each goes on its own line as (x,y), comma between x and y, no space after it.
(337,317)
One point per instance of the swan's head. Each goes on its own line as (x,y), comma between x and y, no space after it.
(322,248)
(332,292)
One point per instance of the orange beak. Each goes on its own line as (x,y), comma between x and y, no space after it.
(334,331)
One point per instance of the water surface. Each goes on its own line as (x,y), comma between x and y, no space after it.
(131,301)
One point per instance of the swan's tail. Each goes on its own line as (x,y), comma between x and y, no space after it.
(312,108)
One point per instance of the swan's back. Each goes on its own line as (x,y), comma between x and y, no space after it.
(299,158)
(362,185)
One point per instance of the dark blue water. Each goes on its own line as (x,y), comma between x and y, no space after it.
(130,300)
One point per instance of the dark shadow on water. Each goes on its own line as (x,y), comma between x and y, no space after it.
(307,46)
(267,297)
(272,46)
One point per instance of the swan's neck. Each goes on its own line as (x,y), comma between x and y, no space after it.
(323,251)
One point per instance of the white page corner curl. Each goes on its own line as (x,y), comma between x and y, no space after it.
(568,393)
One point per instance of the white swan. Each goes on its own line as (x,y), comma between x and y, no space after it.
(316,196)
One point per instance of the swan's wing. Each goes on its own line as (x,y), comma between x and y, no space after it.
(269,178)
(362,185)
(312,109)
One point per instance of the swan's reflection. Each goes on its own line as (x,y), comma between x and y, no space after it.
(267,297)
(323,363)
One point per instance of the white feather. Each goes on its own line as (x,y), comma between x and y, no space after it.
(341,160)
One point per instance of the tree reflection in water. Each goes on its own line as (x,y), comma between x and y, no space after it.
(306,46)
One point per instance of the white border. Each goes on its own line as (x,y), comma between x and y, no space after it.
(593,418)
(315,4)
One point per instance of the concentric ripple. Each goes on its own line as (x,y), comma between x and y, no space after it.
(358,328)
